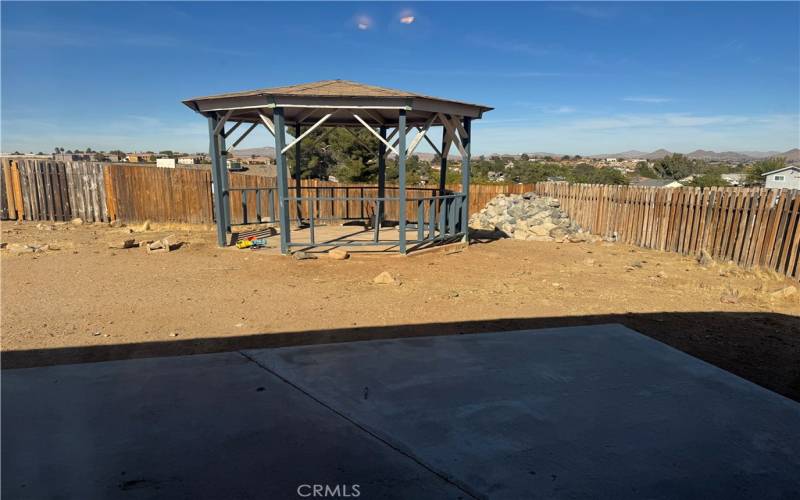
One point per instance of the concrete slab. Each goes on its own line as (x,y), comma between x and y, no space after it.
(213,426)
(584,412)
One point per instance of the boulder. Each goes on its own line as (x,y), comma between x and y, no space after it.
(784,292)
(338,254)
(121,245)
(18,248)
(525,217)
(300,255)
(386,278)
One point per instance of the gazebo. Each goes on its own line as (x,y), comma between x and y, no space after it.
(388,114)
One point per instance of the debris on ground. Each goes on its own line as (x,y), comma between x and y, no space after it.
(730,295)
(158,246)
(121,245)
(338,254)
(784,292)
(300,255)
(253,243)
(386,278)
(77,221)
(18,248)
(528,217)
(145,226)
(705,259)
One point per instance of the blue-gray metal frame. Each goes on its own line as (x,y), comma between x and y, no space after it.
(225,179)
(444,217)
(465,167)
(401,172)
(297,174)
(283,192)
(381,183)
(219,204)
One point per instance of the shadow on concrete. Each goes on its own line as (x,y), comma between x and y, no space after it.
(761,347)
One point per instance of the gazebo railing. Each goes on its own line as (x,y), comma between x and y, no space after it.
(256,204)
(438,218)
(257,195)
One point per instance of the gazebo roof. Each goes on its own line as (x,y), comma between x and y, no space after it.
(340,94)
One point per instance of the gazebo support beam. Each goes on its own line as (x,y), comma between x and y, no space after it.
(465,178)
(297,173)
(283,192)
(242,137)
(443,168)
(381,181)
(216,179)
(372,131)
(401,167)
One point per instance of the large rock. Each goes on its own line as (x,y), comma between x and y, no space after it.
(527,217)
(18,248)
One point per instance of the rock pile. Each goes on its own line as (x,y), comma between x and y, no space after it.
(528,217)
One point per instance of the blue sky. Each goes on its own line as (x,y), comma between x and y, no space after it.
(563,77)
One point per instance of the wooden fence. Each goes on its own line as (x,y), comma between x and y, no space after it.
(55,191)
(750,226)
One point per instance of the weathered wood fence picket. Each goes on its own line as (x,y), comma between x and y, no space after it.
(55,191)
(750,226)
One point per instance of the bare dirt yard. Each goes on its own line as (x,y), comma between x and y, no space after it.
(78,300)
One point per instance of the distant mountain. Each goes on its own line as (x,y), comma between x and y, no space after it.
(702,154)
(791,155)
(246,153)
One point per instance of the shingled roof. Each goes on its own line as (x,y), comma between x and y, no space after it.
(333,93)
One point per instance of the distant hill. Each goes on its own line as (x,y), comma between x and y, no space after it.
(246,153)
(793,155)
(702,154)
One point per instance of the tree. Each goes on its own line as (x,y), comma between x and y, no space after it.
(585,173)
(709,179)
(759,168)
(643,169)
(676,166)
(524,157)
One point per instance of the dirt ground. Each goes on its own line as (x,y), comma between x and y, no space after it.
(85,301)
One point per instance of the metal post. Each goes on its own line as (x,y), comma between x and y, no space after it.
(213,152)
(297,174)
(465,179)
(283,191)
(401,168)
(442,171)
(381,175)
(225,179)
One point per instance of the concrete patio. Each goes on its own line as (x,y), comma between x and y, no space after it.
(582,412)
